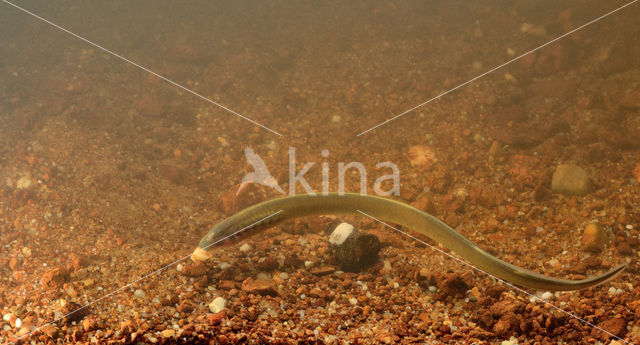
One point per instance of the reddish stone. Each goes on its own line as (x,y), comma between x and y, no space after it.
(185,307)
(259,286)
(226,285)
(194,269)
(54,277)
(616,326)
(215,319)
(324,270)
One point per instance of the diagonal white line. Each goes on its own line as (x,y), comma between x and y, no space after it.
(142,67)
(138,280)
(494,277)
(496,68)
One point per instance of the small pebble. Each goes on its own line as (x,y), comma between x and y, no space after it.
(353,300)
(284,276)
(140,293)
(594,237)
(352,248)
(387,265)
(308,264)
(24,183)
(546,296)
(218,304)
(224,265)
(570,179)
(245,248)
(340,233)
(168,333)
(421,156)
(512,341)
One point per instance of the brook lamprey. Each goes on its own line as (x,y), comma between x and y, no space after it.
(269,213)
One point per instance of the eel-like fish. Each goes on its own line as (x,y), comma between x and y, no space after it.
(269,213)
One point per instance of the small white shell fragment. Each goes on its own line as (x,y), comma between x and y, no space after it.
(546,296)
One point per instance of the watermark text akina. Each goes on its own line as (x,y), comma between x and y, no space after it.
(262,175)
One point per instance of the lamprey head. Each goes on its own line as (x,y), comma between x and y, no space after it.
(229,231)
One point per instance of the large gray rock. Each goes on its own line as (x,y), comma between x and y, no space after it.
(570,179)
(353,249)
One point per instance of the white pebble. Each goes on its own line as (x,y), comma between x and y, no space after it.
(387,265)
(218,304)
(24,182)
(340,233)
(245,248)
(179,267)
(139,293)
(432,288)
(308,264)
(546,296)
(284,276)
(224,265)
(353,300)
(511,341)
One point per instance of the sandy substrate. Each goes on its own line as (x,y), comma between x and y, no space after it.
(109,176)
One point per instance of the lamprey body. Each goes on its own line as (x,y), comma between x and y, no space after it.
(269,213)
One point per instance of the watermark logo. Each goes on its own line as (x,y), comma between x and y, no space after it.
(262,175)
